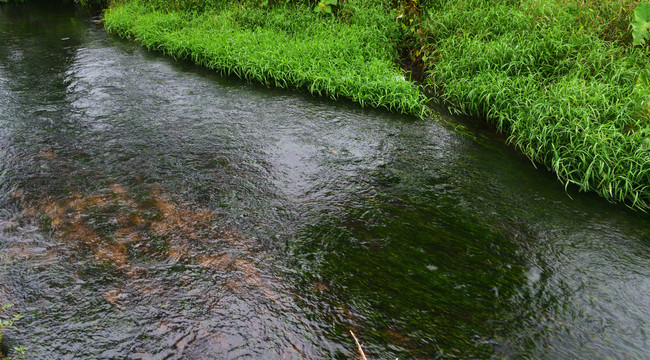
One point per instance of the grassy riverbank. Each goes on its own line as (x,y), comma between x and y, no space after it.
(560,76)
(352,55)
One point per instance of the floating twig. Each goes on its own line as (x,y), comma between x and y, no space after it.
(363,356)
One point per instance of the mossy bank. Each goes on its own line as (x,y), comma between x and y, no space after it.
(560,76)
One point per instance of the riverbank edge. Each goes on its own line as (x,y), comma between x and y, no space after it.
(283,46)
(624,168)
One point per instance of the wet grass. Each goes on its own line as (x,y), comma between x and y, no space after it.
(559,76)
(351,56)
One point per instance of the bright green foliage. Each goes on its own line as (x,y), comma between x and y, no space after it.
(641,23)
(325,6)
(286,46)
(567,96)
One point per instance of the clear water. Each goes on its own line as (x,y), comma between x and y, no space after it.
(150,209)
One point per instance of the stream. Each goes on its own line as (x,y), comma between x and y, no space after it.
(151,209)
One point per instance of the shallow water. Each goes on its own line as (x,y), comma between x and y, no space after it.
(153,210)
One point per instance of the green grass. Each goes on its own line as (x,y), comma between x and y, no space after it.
(560,76)
(353,55)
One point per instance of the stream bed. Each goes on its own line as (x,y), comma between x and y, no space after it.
(150,209)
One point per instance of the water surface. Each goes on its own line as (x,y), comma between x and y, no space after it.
(153,210)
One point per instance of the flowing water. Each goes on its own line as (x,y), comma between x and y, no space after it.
(150,209)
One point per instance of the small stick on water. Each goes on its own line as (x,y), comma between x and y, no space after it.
(363,356)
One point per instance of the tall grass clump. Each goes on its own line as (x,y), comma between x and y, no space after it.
(351,55)
(561,76)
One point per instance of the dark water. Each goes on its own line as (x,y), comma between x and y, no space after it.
(152,210)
